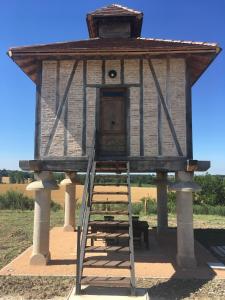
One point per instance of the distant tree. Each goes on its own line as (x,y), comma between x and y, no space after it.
(213,190)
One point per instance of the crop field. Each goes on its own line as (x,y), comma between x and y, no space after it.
(58,196)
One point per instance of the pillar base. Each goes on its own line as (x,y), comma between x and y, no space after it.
(186,262)
(68,228)
(40,259)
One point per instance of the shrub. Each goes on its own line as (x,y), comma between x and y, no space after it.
(17,200)
(213,190)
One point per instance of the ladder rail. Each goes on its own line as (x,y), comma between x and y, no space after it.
(84,215)
(131,241)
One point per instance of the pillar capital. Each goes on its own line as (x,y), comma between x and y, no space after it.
(69,180)
(184,183)
(44,180)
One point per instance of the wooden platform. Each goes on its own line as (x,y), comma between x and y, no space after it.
(157,262)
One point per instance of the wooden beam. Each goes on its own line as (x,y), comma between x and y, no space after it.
(84,108)
(137,164)
(164,105)
(141,108)
(37,112)
(60,109)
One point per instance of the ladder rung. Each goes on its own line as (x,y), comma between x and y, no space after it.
(106,235)
(92,262)
(111,212)
(106,281)
(99,249)
(109,202)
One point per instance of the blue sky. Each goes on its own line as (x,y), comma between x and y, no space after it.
(27,22)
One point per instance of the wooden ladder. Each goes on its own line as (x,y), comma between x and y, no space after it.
(116,249)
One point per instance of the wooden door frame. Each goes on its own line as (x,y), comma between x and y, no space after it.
(125,89)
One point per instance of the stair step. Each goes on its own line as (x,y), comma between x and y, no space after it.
(99,249)
(113,162)
(92,262)
(106,281)
(110,184)
(109,193)
(116,170)
(110,202)
(108,223)
(111,212)
(107,235)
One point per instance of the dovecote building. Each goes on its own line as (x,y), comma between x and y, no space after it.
(130,96)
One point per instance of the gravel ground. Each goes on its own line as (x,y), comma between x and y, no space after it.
(57,288)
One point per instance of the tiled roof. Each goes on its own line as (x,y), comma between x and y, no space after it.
(201,54)
(115,10)
(133,44)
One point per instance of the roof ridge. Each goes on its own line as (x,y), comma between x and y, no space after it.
(180,41)
(125,8)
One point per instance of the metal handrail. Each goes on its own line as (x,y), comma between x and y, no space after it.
(85,206)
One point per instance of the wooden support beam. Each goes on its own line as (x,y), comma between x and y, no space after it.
(137,164)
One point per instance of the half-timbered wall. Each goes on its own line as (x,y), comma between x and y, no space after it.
(69,97)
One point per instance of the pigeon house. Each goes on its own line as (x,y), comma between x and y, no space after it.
(114,103)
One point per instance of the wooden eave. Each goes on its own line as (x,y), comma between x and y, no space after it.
(199,56)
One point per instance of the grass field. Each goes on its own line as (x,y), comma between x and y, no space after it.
(58,196)
(16,235)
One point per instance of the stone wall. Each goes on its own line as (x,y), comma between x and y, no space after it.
(70,134)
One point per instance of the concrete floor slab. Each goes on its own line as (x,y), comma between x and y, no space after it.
(159,261)
(94,293)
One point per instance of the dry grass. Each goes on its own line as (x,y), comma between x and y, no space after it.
(58,196)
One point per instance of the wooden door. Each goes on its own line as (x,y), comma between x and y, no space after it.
(112,122)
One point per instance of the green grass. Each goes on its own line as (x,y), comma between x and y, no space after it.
(16,229)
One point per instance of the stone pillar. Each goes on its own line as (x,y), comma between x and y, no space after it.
(70,201)
(42,187)
(184,188)
(162,212)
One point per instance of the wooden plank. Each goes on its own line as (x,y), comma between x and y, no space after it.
(128,120)
(106,263)
(122,71)
(106,235)
(103,71)
(108,85)
(84,108)
(108,223)
(141,109)
(60,109)
(109,193)
(111,212)
(106,281)
(37,112)
(57,97)
(189,141)
(169,120)
(137,164)
(113,249)
(109,202)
